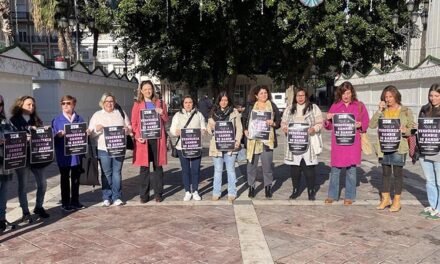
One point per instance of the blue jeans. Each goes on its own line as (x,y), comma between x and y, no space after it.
(431,169)
(111,168)
(41,182)
(3,198)
(229,160)
(190,172)
(350,183)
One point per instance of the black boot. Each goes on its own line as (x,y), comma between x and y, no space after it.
(251,192)
(2,225)
(41,212)
(312,193)
(268,191)
(295,193)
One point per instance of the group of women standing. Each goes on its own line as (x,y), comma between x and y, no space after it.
(151,154)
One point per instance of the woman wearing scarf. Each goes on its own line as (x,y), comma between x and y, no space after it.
(223,110)
(301,110)
(260,100)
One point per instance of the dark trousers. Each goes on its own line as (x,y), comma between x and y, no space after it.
(386,178)
(152,179)
(70,187)
(190,172)
(309,173)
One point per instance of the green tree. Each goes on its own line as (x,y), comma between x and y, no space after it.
(199,44)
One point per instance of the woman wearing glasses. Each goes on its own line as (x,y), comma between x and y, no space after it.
(111,166)
(70,166)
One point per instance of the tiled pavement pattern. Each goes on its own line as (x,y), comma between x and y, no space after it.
(218,232)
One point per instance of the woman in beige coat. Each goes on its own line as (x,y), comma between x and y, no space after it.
(224,111)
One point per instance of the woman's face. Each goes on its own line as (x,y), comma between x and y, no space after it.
(28,106)
(147,91)
(262,95)
(188,104)
(67,106)
(347,96)
(109,104)
(300,97)
(224,102)
(434,98)
(390,100)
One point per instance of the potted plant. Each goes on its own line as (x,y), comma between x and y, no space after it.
(60,63)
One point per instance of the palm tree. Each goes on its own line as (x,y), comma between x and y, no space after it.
(43,13)
(5,14)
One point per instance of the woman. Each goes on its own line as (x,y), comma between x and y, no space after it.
(188,117)
(24,118)
(431,164)
(390,106)
(301,110)
(223,110)
(111,167)
(5,175)
(70,166)
(346,102)
(151,150)
(260,99)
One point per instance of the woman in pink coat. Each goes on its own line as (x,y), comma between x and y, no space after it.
(149,150)
(346,156)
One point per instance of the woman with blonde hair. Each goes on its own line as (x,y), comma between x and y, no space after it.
(147,151)
(111,166)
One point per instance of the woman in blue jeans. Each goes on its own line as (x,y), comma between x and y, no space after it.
(431,164)
(188,117)
(5,175)
(111,166)
(223,110)
(24,118)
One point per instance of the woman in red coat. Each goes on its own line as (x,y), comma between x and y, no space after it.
(149,150)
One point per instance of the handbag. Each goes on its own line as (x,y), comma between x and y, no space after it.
(173,146)
(90,171)
(129,143)
(366,147)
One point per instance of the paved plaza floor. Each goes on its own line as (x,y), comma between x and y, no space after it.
(246,231)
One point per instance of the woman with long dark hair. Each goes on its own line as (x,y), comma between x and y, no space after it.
(149,151)
(431,164)
(301,110)
(345,102)
(223,110)
(260,102)
(24,118)
(390,106)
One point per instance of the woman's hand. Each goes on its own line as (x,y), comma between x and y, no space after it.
(2,141)
(312,131)
(141,140)
(269,122)
(237,144)
(159,111)
(99,128)
(246,133)
(285,129)
(403,129)
(61,133)
(382,106)
(178,131)
(330,116)
(358,124)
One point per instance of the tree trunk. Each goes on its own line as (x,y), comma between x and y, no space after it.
(61,41)
(5,15)
(68,39)
(232,80)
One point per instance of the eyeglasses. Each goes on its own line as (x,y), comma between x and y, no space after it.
(66,103)
(111,102)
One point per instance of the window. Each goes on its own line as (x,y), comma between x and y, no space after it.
(102,54)
(22,36)
(84,55)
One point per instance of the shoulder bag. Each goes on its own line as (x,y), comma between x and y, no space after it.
(173,146)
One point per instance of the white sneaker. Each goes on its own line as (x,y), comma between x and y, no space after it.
(196,196)
(106,203)
(187,196)
(118,202)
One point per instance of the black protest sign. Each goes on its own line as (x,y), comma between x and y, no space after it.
(14,150)
(115,140)
(429,136)
(258,127)
(389,134)
(298,138)
(42,145)
(75,139)
(224,135)
(191,142)
(150,124)
(344,127)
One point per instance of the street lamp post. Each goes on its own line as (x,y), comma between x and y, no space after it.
(410,30)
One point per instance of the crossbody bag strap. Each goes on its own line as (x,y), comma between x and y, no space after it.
(187,123)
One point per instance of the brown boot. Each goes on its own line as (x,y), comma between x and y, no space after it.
(386,201)
(395,207)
